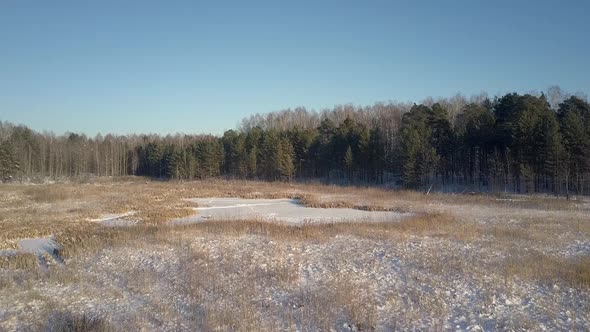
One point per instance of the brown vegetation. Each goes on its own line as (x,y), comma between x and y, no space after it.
(512,236)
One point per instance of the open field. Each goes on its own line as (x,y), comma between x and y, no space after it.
(110,255)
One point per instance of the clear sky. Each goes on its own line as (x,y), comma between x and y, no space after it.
(199,67)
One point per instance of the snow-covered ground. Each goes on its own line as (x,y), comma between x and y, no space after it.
(489,266)
(284,210)
(259,283)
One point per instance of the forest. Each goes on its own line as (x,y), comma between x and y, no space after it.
(520,143)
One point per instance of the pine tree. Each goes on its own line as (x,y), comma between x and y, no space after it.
(474,131)
(324,148)
(574,119)
(349,162)
(285,156)
(551,151)
(269,155)
(9,165)
(302,142)
(420,156)
(252,162)
(376,155)
(154,156)
(235,154)
(252,146)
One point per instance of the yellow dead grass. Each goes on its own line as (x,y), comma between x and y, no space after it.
(64,210)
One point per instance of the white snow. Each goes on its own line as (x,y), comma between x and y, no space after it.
(38,246)
(45,248)
(407,282)
(414,284)
(116,219)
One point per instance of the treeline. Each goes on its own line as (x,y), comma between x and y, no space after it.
(520,143)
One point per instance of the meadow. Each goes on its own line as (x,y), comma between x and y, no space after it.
(110,257)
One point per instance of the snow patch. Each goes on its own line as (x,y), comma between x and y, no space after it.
(114,220)
(38,246)
(284,210)
(46,249)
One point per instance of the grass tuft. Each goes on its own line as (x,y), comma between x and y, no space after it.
(69,322)
(49,193)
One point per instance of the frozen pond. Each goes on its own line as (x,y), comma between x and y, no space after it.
(284,210)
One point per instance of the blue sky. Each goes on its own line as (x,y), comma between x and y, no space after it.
(199,67)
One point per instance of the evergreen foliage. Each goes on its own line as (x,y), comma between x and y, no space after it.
(511,143)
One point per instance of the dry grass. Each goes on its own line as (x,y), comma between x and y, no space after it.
(436,225)
(341,299)
(19,261)
(49,193)
(68,322)
(205,274)
(221,283)
(538,267)
(41,210)
(317,202)
(574,272)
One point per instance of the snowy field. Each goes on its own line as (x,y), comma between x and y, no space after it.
(269,257)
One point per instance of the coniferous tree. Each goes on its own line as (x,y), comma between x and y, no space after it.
(324,148)
(349,163)
(421,136)
(9,165)
(574,119)
(514,142)
(475,131)
(269,156)
(302,141)
(285,156)
(154,159)
(376,156)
